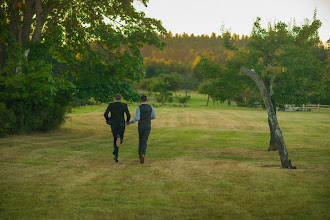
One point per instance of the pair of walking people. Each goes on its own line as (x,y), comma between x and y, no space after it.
(144,114)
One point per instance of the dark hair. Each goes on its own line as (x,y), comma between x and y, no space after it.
(143,98)
(118,97)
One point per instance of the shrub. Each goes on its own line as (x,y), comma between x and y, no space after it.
(36,98)
(169,99)
(183,99)
(7,120)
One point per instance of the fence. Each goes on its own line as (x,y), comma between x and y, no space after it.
(307,107)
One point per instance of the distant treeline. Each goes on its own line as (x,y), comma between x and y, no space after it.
(183,52)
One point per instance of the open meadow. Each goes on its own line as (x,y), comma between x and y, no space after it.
(201,163)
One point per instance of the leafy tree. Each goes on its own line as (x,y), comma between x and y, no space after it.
(282,64)
(220,83)
(164,83)
(58,47)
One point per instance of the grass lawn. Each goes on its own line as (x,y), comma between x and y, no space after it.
(201,163)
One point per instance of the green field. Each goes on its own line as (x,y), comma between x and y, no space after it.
(201,163)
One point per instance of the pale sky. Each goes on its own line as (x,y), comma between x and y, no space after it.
(207,16)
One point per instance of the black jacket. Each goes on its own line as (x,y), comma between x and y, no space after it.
(117,110)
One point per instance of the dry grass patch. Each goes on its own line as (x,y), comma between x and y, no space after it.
(204,119)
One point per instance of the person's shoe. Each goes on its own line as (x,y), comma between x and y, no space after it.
(116,159)
(118,142)
(141,159)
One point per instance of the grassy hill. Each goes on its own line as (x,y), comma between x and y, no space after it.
(202,162)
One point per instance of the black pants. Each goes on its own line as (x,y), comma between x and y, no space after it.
(144,132)
(117,132)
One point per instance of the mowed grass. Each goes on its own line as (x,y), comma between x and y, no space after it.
(201,163)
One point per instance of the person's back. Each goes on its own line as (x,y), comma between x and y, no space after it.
(117,121)
(145,115)
(117,110)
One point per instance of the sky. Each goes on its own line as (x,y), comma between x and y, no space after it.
(208,16)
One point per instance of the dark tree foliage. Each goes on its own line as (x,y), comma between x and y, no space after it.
(51,49)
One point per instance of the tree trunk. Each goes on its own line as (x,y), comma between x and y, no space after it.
(283,152)
(208,99)
(272,143)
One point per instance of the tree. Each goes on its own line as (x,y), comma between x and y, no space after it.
(282,64)
(165,83)
(286,61)
(68,27)
(220,83)
(91,47)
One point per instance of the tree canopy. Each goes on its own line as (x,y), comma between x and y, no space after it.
(291,61)
(50,49)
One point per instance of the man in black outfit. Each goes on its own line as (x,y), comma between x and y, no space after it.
(117,122)
(144,114)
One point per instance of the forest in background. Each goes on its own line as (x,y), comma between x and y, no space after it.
(183,52)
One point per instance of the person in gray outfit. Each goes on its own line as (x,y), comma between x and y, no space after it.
(144,114)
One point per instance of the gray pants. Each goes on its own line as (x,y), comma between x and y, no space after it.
(144,132)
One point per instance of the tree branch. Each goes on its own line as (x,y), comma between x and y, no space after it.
(271,92)
(39,21)
(29,11)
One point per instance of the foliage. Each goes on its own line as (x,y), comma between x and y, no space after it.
(183,99)
(164,84)
(282,62)
(51,50)
(290,61)
(221,83)
(37,98)
(7,119)
(286,60)
(183,52)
